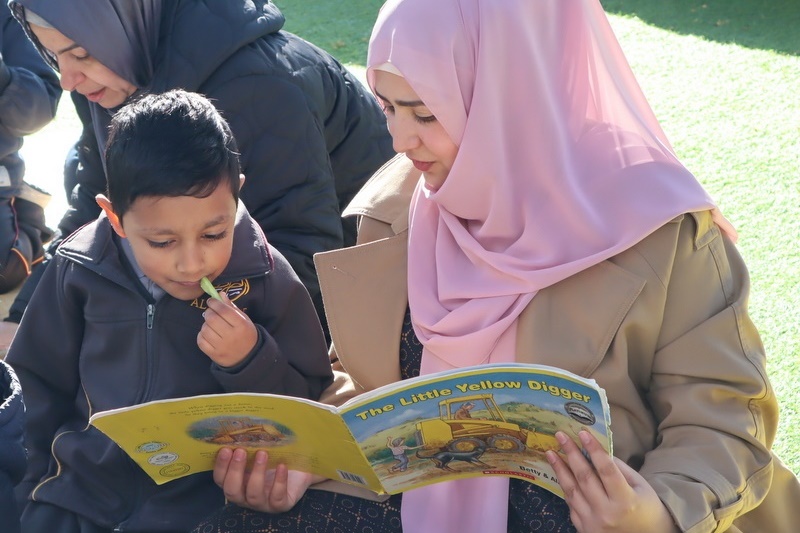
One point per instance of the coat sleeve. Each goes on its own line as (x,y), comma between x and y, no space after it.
(291,358)
(45,353)
(712,401)
(29,89)
(12,450)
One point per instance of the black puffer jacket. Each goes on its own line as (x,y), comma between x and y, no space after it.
(94,339)
(309,132)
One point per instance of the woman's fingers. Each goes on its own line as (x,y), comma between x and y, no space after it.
(605,468)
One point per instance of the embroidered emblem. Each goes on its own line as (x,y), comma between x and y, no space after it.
(234,290)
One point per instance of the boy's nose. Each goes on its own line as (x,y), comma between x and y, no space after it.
(191,261)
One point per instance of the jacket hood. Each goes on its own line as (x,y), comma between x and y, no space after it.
(156,44)
(94,247)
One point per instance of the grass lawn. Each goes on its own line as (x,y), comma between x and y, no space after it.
(721,75)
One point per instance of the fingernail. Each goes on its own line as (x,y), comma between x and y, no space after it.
(239,455)
(584,436)
(561,438)
(261,457)
(551,456)
(225,453)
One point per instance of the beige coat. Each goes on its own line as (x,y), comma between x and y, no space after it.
(663,327)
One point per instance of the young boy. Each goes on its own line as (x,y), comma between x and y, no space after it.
(119,319)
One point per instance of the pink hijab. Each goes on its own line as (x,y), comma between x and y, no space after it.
(561,165)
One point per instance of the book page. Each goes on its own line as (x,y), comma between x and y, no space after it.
(491,420)
(170,439)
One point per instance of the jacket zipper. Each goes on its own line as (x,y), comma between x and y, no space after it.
(149,356)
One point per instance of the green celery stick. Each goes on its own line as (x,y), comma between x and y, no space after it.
(209,289)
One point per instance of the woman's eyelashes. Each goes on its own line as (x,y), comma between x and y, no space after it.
(422,119)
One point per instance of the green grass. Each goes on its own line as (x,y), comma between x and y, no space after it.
(723,77)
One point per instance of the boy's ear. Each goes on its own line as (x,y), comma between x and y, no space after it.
(241,181)
(105,205)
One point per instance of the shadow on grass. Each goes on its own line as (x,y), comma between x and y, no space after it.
(762,24)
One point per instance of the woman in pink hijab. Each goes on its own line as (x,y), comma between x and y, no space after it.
(539,214)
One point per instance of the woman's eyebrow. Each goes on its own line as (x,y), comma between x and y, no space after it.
(68,48)
(401,103)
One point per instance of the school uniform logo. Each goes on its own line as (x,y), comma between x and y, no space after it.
(234,290)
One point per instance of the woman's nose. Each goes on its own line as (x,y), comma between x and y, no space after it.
(70,76)
(404,136)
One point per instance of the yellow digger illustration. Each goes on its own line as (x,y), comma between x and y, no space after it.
(456,430)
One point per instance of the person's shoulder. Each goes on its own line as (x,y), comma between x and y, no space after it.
(88,241)
(386,196)
(676,239)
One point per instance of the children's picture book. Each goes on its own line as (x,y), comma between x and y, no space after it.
(488,420)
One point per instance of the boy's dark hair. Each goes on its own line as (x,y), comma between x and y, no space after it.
(170,144)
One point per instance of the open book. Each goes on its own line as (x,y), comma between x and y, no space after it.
(485,420)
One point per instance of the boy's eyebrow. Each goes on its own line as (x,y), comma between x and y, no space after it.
(166,231)
(401,103)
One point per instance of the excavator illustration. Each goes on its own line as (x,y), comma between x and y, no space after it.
(455,431)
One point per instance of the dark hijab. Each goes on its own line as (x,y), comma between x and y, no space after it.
(120,34)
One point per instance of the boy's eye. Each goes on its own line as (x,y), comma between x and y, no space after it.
(159,244)
(215,236)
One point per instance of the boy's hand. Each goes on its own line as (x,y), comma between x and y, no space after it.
(228,335)
(606,495)
(270,491)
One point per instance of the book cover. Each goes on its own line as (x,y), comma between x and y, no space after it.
(476,421)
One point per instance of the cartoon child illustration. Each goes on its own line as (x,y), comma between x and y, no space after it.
(398,449)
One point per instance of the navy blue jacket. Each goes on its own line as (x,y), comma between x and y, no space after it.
(93,339)
(12,453)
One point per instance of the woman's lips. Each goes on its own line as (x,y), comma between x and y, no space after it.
(422,166)
(96,96)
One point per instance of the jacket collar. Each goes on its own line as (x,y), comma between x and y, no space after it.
(387,194)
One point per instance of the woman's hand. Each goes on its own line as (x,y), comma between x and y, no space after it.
(228,335)
(606,495)
(271,491)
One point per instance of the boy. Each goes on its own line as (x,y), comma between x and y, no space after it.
(119,318)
